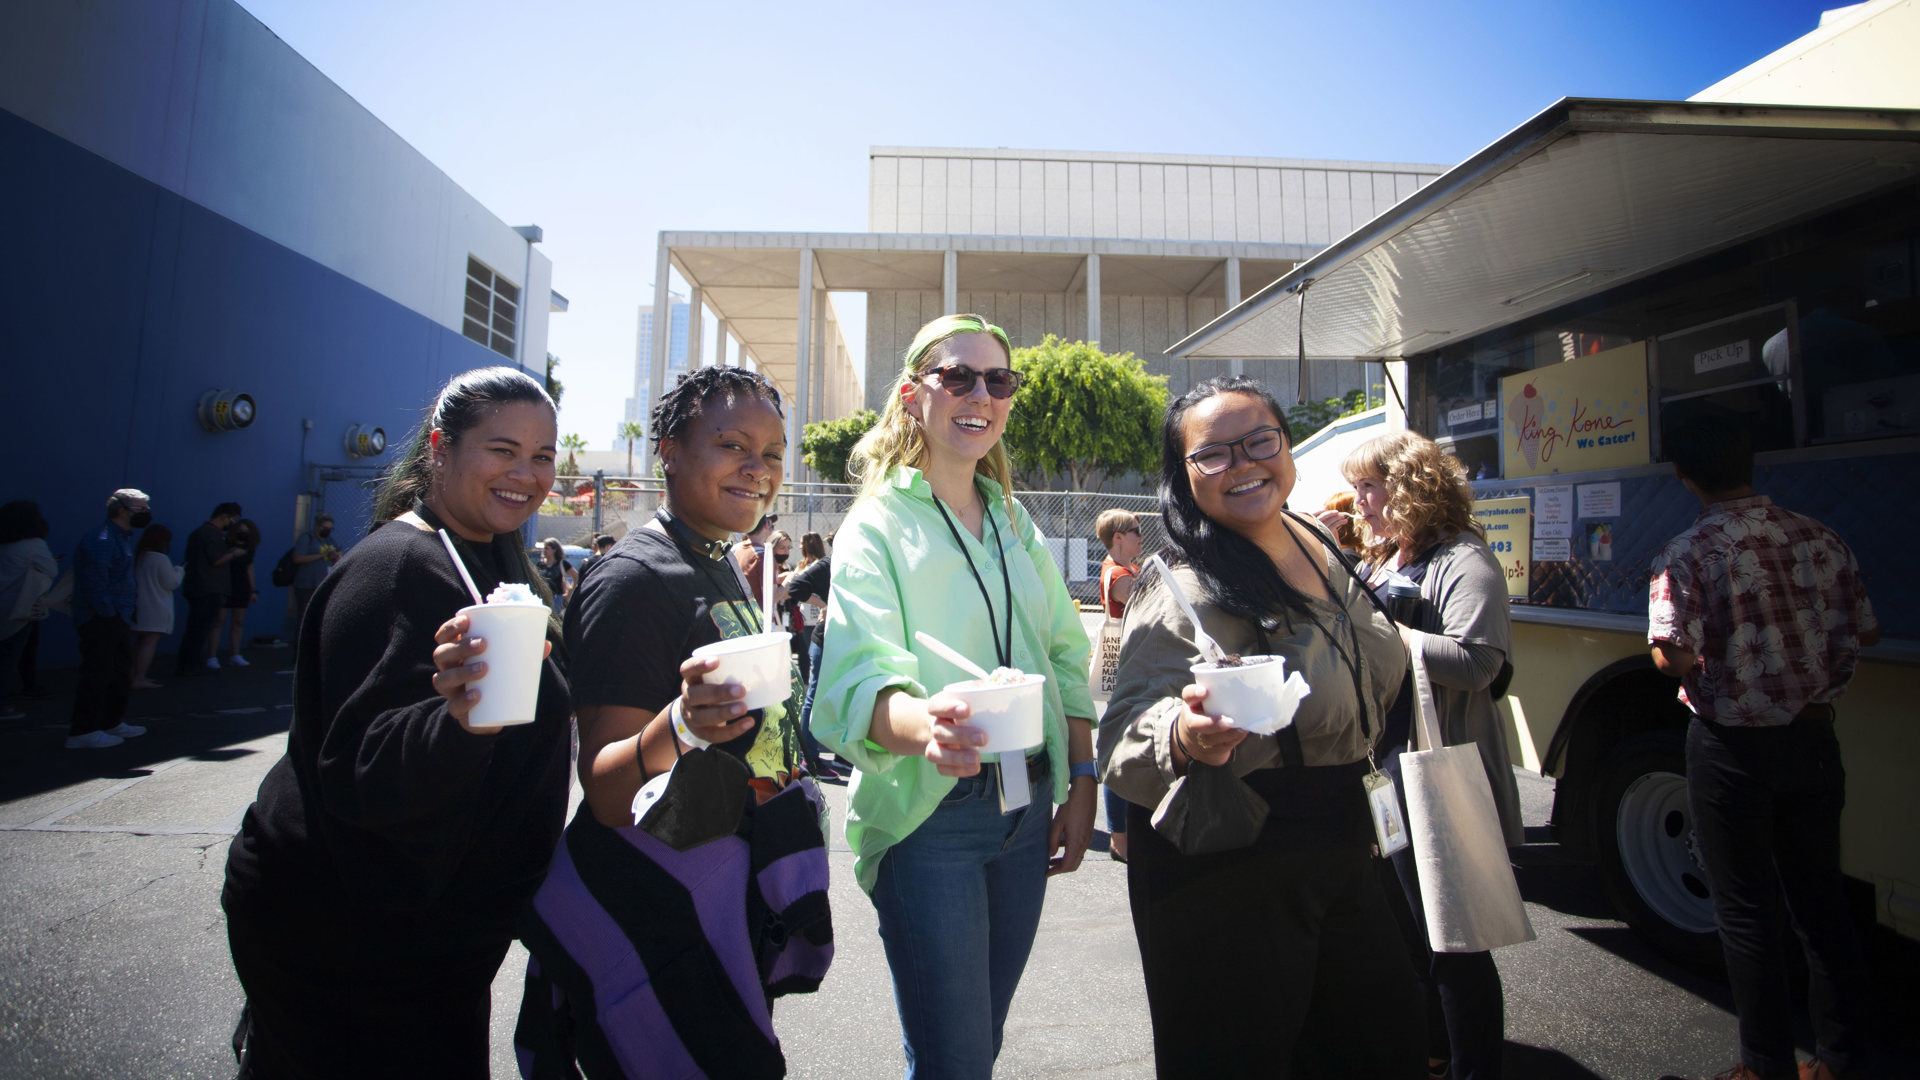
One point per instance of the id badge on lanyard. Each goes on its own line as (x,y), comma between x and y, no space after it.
(1389,828)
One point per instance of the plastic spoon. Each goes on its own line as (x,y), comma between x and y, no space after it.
(1208,647)
(959,660)
(462,567)
(766,587)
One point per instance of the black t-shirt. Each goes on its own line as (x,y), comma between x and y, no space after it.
(204,578)
(815,580)
(650,602)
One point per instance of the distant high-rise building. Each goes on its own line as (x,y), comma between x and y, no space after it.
(641,404)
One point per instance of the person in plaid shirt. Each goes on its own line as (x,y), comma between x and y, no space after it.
(1761,613)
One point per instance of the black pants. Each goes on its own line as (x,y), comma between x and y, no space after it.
(202,612)
(1466,1005)
(106,674)
(1276,961)
(1766,807)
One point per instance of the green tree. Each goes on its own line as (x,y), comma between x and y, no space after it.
(554,387)
(572,444)
(630,431)
(828,445)
(1089,414)
(1307,419)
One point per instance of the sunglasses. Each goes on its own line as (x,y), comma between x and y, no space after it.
(958,380)
(1216,458)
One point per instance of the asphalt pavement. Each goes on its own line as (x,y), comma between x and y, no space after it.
(113,954)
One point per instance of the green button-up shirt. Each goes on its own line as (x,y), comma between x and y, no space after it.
(896,570)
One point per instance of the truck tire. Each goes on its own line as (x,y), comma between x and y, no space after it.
(1648,863)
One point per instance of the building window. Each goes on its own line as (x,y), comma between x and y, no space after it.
(493,308)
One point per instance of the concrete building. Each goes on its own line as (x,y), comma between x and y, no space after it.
(640,405)
(195,208)
(1132,250)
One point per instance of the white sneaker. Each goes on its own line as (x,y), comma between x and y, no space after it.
(236,660)
(213,663)
(93,740)
(127,731)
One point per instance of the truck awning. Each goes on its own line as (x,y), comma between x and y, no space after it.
(1586,196)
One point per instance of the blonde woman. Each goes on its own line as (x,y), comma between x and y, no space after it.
(935,543)
(1413,498)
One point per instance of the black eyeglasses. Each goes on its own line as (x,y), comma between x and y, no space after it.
(1258,444)
(958,380)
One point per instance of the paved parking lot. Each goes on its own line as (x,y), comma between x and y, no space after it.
(113,955)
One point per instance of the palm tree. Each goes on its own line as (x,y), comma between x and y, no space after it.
(630,431)
(571,444)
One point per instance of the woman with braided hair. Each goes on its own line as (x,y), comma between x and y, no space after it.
(954,849)
(657,944)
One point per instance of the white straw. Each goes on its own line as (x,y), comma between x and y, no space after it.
(766,586)
(959,659)
(462,567)
(1208,646)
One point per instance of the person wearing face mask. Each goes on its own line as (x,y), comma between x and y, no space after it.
(104,598)
(954,849)
(370,895)
(314,555)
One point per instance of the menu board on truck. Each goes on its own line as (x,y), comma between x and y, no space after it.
(1505,522)
(1587,413)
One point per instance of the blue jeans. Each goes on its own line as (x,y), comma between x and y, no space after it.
(959,902)
(812,674)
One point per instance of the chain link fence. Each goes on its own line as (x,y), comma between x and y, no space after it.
(615,504)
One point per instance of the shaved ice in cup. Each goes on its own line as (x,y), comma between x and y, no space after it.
(1254,692)
(513,623)
(760,663)
(1008,706)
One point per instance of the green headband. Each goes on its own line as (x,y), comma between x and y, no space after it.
(944,328)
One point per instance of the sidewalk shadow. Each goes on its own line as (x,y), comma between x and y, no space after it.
(1540,1063)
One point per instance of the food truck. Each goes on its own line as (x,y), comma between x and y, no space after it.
(1545,310)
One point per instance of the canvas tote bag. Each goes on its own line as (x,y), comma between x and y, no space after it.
(1466,883)
(1106,660)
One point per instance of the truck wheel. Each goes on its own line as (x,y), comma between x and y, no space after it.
(1648,860)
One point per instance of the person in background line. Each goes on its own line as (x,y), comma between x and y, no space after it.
(958,881)
(103,603)
(808,587)
(1265,937)
(1119,533)
(155,579)
(206,586)
(748,553)
(242,591)
(602,543)
(1761,614)
(371,892)
(27,571)
(314,554)
(557,571)
(1418,509)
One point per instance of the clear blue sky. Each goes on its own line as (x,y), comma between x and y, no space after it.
(605,121)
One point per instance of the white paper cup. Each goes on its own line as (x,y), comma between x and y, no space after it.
(1012,714)
(1248,694)
(761,663)
(516,637)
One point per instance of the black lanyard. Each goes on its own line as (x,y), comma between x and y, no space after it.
(706,553)
(1353,632)
(1004,653)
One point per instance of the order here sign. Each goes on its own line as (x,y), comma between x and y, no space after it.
(1587,413)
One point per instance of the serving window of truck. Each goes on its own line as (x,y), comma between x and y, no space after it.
(1596,277)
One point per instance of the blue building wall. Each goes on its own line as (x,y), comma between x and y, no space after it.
(120,303)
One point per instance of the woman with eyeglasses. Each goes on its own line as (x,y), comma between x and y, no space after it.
(1265,937)
(955,865)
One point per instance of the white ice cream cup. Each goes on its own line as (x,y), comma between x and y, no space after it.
(1012,714)
(1248,694)
(516,637)
(761,663)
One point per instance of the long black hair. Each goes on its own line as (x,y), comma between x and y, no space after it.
(683,404)
(1238,576)
(463,402)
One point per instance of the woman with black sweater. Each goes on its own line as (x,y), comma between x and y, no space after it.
(371,892)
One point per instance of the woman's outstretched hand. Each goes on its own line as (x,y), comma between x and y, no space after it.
(716,712)
(1201,737)
(952,743)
